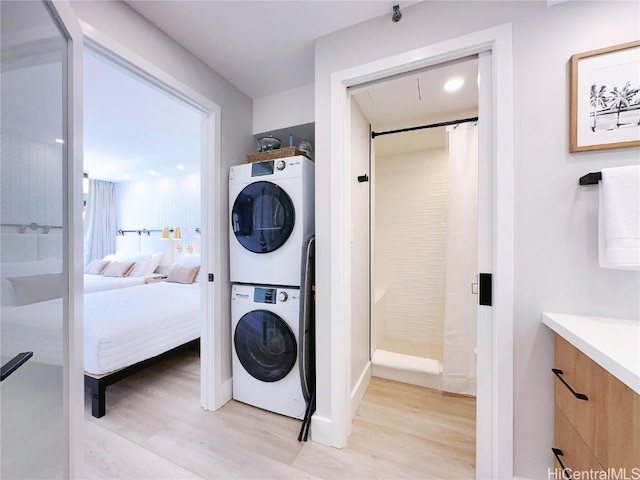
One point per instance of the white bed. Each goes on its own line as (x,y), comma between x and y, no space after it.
(98,283)
(25,254)
(121,327)
(125,329)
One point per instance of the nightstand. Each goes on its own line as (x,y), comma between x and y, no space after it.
(155,278)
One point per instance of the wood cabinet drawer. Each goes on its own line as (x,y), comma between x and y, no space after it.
(578,372)
(576,455)
(617,428)
(609,421)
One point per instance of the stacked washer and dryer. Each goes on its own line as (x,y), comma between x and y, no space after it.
(272,214)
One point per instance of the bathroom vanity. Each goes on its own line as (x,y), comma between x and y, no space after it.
(597,393)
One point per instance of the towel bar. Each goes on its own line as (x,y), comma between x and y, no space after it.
(591,178)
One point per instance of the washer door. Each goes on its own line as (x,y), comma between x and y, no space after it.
(263,216)
(265,345)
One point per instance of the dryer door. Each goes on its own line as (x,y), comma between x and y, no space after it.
(262,217)
(265,345)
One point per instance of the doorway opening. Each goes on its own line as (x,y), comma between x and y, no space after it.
(494,420)
(415,230)
(155,141)
(142,165)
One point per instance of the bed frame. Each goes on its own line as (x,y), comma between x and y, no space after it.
(98,384)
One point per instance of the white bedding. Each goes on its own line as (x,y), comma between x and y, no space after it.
(121,327)
(98,283)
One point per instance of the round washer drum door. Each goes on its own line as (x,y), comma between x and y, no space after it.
(262,217)
(265,345)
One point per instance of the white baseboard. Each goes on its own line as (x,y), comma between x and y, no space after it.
(321,430)
(359,390)
(225,394)
(227,390)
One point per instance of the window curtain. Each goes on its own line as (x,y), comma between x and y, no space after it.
(100,220)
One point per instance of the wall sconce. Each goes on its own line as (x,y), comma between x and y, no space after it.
(177,235)
(169,233)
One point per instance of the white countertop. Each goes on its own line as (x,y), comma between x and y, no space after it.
(612,343)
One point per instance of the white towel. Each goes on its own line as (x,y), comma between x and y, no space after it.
(619,218)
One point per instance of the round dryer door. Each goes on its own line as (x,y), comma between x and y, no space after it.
(263,216)
(265,345)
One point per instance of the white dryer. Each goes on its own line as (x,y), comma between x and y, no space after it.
(271,207)
(266,343)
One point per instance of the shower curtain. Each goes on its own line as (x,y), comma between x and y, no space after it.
(459,369)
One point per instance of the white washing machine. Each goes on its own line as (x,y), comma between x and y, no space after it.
(272,211)
(265,339)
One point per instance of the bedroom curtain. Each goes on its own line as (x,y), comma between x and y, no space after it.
(99,220)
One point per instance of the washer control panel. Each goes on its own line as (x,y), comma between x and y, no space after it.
(264,295)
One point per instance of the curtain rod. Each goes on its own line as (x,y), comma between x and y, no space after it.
(432,125)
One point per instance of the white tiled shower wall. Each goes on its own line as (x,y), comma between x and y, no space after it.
(410,253)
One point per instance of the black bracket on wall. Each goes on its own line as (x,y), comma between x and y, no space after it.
(591,178)
(485,286)
(363,178)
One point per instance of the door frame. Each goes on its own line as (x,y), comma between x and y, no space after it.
(214,391)
(73,305)
(494,455)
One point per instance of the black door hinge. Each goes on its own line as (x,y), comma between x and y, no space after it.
(211,277)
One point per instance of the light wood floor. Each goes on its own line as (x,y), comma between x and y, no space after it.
(155,429)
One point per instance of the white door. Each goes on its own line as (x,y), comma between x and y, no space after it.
(485,334)
(41,389)
(360,256)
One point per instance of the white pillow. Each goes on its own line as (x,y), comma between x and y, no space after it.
(7,293)
(27,269)
(153,263)
(24,269)
(118,269)
(96,267)
(139,259)
(37,288)
(183,273)
(193,259)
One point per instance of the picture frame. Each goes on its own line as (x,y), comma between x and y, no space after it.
(605,98)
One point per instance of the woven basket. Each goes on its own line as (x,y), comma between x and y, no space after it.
(273,154)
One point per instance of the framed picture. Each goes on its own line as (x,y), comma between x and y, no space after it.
(605,98)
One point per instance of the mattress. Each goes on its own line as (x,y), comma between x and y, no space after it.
(121,327)
(98,283)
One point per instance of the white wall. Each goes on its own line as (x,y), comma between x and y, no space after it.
(122,24)
(283,110)
(31,180)
(156,203)
(556,265)
(411,250)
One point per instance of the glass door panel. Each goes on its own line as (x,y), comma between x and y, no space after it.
(34,293)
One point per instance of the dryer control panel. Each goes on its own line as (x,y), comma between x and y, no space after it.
(259,169)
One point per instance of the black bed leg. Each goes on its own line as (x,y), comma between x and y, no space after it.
(98,400)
